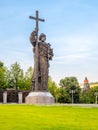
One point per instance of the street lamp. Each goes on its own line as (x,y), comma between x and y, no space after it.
(72,95)
(72,91)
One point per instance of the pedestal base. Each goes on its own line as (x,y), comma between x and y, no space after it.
(39,98)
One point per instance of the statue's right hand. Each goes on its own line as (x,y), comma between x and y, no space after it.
(33,38)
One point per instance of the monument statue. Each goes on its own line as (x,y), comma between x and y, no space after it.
(42,54)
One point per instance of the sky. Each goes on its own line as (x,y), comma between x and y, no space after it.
(71,27)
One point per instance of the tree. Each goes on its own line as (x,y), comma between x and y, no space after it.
(63,96)
(2,75)
(52,87)
(17,75)
(69,84)
(85,97)
(93,93)
(88,96)
(1,64)
(7,79)
(27,79)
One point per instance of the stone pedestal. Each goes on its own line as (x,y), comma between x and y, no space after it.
(39,98)
(20,97)
(5,97)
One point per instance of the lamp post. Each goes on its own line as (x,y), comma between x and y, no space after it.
(72,95)
(96,97)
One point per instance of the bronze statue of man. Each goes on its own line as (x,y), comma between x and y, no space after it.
(42,54)
(45,53)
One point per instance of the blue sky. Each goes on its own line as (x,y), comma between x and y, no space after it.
(71,27)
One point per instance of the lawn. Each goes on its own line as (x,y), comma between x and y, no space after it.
(30,117)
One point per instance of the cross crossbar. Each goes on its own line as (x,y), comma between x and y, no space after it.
(31,17)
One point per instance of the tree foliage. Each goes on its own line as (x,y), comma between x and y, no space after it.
(2,75)
(52,87)
(69,84)
(1,64)
(89,96)
(27,79)
(15,77)
(63,96)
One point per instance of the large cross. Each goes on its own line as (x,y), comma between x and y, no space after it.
(37,19)
(36,49)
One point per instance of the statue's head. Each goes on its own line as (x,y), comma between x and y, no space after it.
(42,37)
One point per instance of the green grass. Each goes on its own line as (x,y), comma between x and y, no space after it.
(29,117)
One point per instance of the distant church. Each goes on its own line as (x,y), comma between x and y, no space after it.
(86,84)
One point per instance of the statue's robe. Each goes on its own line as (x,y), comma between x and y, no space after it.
(45,54)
